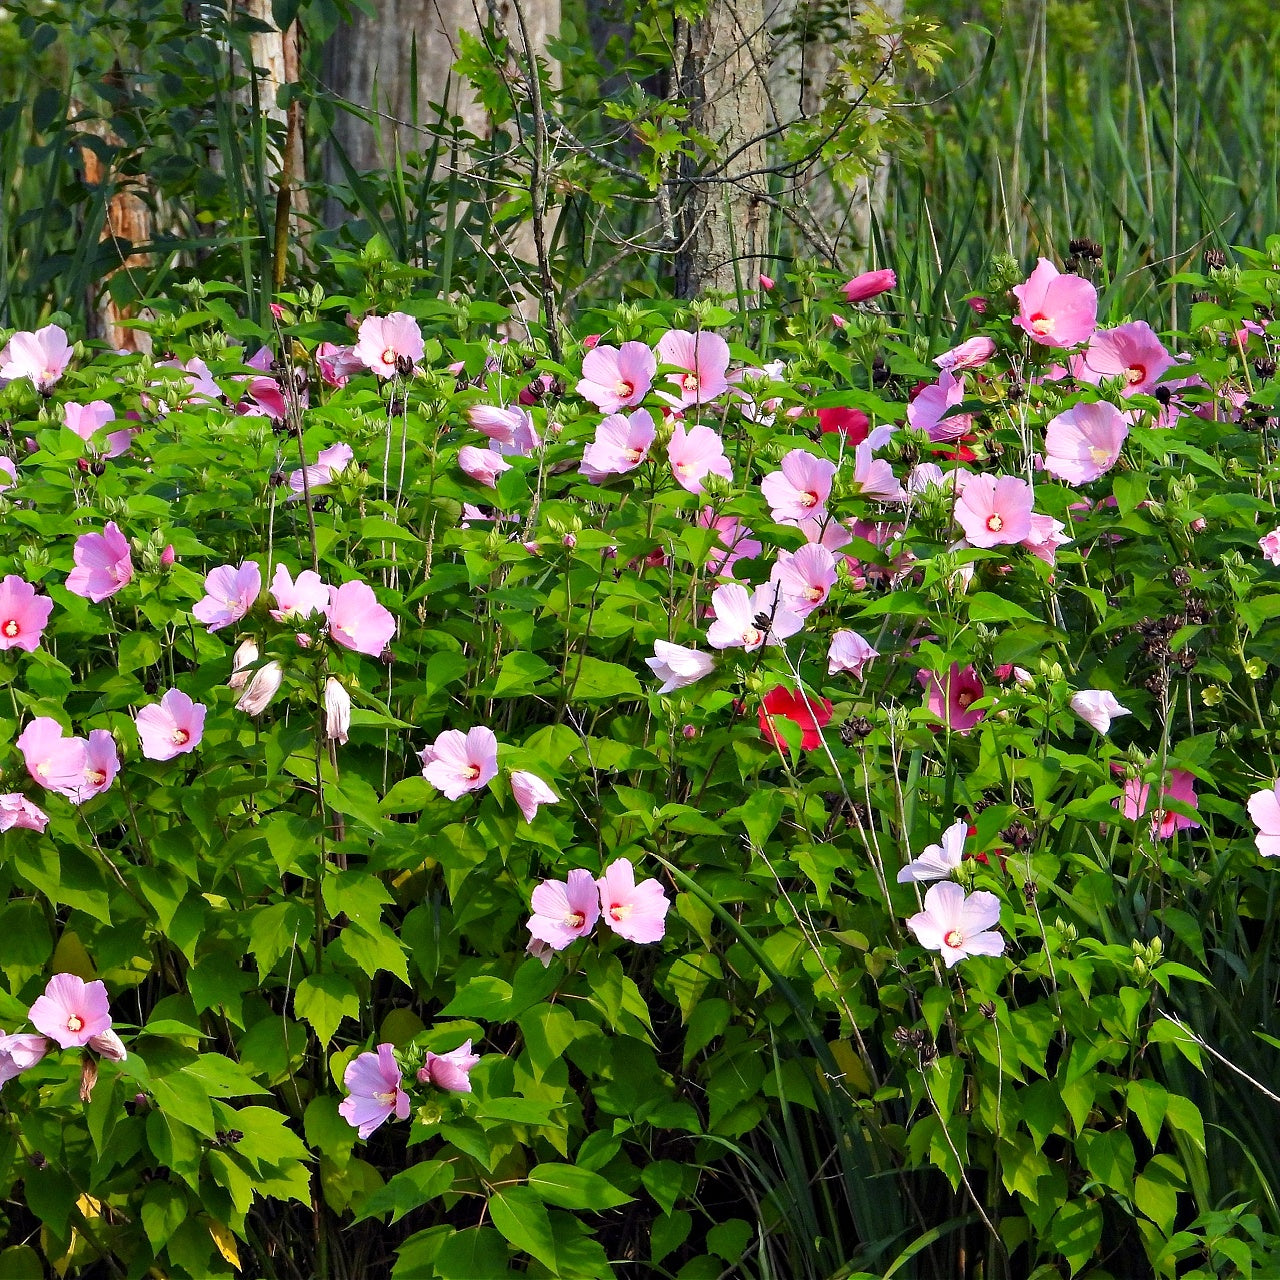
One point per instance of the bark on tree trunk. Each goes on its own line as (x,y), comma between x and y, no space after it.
(721,68)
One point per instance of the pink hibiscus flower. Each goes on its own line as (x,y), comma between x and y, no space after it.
(230,593)
(1056,310)
(694,454)
(450,1071)
(71,1011)
(530,793)
(328,462)
(18,1052)
(971,354)
(17,811)
(750,620)
(372,1081)
(357,621)
(1097,708)
(804,577)
(42,356)
(951,697)
(1084,442)
(636,912)
(1179,786)
(297,600)
(337,364)
(873,477)
(869,285)
(388,344)
(956,925)
(56,762)
(459,762)
(482,465)
(262,686)
(510,431)
(101,764)
(616,378)
(677,666)
(1264,809)
(849,652)
(23,614)
(171,727)
(102,564)
(86,420)
(704,357)
(937,861)
(1131,352)
(1270,545)
(801,488)
(621,443)
(994,510)
(564,910)
(930,408)
(1046,536)
(735,539)
(8,471)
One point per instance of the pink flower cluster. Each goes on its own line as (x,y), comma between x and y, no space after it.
(77,768)
(565,910)
(459,762)
(374,1084)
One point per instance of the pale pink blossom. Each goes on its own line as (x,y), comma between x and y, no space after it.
(230,592)
(103,564)
(8,472)
(24,614)
(482,465)
(384,341)
(511,431)
(357,621)
(801,488)
(929,410)
(1131,352)
(296,600)
(971,354)
(328,463)
(17,811)
(242,660)
(564,910)
(869,285)
(616,378)
(621,444)
(262,686)
(1097,708)
(696,453)
(200,383)
(54,761)
(873,477)
(956,925)
(1084,442)
(994,510)
(636,912)
(677,666)
(750,620)
(337,364)
(849,652)
(1270,545)
(530,792)
(1046,536)
(101,764)
(449,1071)
(41,356)
(804,577)
(461,762)
(925,476)
(171,727)
(1056,310)
(18,1052)
(937,861)
(372,1081)
(71,1011)
(704,359)
(951,697)
(86,420)
(736,542)
(337,711)
(109,1045)
(1264,809)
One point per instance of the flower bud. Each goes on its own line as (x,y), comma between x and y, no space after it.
(245,656)
(337,711)
(261,689)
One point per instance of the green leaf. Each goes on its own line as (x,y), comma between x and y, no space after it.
(596,681)
(1148,1101)
(573,1188)
(522,1218)
(409,1190)
(985,606)
(521,673)
(1075,1232)
(323,1000)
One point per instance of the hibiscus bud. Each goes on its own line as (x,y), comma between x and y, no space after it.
(261,689)
(167,556)
(245,656)
(337,710)
(766,282)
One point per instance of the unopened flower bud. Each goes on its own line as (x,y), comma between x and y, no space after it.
(167,557)
(261,689)
(337,711)
(245,656)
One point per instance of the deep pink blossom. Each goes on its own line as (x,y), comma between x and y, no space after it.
(994,510)
(1097,707)
(971,354)
(357,621)
(616,378)
(849,652)
(459,762)
(929,410)
(564,910)
(1084,442)
(24,614)
(801,488)
(1131,352)
(170,727)
(956,925)
(449,1071)
(103,564)
(385,340)
(337,364)
(1270,545)
(951,697)
(621,444)
(328,462)
(1264,809)
(937,861)
(704,359)
(18,1052)
(17,811)
(805,577)
(482,465)
(750,620)
(530,793)
(42,356)
(636,912)
(72,1011)
(869,285)
(372,1081)
(1179,786)
(298,599)
(230,592)
(677,666)
(696,453)
(1056,310)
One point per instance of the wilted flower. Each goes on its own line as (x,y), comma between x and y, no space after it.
(483,465)
(263,685)
(243,658)
(530,792)
(337,711)
(18,1052)
(849,652)
(17,811)
(677,666)
(1097,707)
(971,354)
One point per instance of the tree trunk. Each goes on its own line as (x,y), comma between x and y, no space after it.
(720,67)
